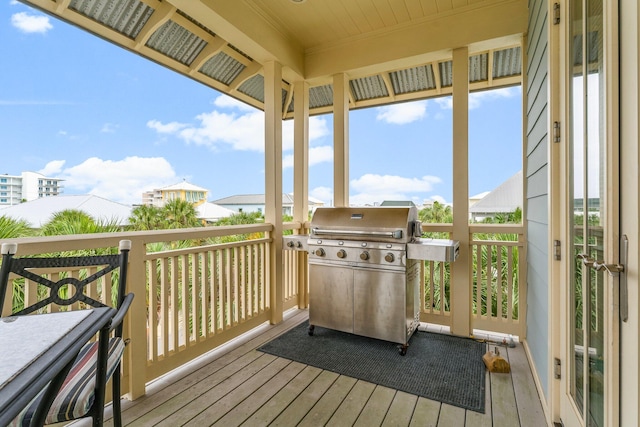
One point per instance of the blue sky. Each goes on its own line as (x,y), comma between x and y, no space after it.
(114,124)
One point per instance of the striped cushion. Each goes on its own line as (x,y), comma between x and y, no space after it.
(77,393)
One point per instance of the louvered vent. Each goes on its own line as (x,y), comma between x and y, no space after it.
(254,87)
(507,62)
(446,73)
(412,79)
(368,88)
(222,67)
(176,42)
(127,17)
(320,96)
(478,68)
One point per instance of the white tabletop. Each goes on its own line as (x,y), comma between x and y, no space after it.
(42,330)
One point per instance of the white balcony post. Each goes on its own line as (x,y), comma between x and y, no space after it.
(340,140)
(461,278)
(301,175)
(273,183)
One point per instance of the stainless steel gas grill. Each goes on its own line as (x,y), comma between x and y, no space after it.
(364,266)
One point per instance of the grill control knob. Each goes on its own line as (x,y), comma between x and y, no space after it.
(342,253)
(319,252)
(389,257)
(290,244)
(364,256)
(298,245)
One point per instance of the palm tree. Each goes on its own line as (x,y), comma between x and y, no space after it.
(11,228)
(438,213)
(146,217)
(180,214)
(72,221)
(239,219)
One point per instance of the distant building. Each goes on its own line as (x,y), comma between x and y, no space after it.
(14,189)
(40,211)
(397,203)
(505,198)
(210,212)
(183,191)
(255,203)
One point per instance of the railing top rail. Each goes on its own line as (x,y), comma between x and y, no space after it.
(205,248)
(497,228)
(497,243)
(46,244)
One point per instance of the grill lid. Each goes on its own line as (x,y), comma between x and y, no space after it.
(381,223)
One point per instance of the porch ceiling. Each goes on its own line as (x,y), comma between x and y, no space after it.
(391,50)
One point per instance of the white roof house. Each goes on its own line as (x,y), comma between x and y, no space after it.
(210,212)
(40,211)
(256,203)
(505,198)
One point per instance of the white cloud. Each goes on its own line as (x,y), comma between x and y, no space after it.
(476,99)
(445,103)
(401,114)
(317,129)
(122,181)
(372,188)
(243,132)
(322,193)
(225,101)
(27,23)
(316,155)
(169,128)
(52,168)
(109,128)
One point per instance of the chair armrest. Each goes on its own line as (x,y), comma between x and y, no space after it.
(122,311)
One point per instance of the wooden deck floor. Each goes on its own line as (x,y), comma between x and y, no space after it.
(238,385)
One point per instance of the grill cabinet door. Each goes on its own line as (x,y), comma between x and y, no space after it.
(380,304)
(331,297)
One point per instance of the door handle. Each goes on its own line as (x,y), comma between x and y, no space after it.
(586,259)
(614,270)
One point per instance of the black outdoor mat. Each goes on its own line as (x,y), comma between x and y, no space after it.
(439,367)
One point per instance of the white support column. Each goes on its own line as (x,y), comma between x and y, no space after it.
(340,140)
(301,176)
(273,183)
(301,151)
(461,283)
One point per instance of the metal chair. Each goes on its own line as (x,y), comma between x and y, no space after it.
(83,392)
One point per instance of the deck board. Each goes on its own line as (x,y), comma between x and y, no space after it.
(262,395)
(376,407)
(352,405)
(426,413)
(306,400)
(529,410)
(329,403)
(503,400)
(269,411)
(239,385)
(401,410)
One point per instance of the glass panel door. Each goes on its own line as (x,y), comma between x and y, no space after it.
(587,179)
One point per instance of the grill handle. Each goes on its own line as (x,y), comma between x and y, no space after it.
(397,234)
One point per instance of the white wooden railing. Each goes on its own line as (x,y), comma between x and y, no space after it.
(192,297)
(497,279)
